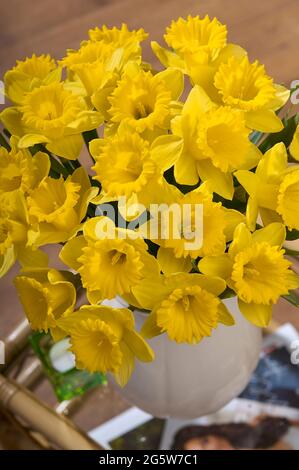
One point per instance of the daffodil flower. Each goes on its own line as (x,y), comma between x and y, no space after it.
(52,115)
(104,339)
(19,170)
(198,47)
(29,74)
(273,189)
(217,224)
(143,100)
(126,163)
(17,236)
(185,306)
(58,206)
(108,266)
(246,86)
(255,268)
(46,295)
(98,64)
(216,142)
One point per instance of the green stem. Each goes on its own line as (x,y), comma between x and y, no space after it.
(58,168)
(292,298)
(4,143)
(291,252)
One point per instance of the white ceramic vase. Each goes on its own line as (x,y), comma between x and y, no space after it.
(188,381)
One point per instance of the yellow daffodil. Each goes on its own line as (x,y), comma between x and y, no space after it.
(198,47)
(29,74)
(99,62)
(246,86)
(104,339)
(93,64)
(126,163)
(143,100)
(119,37)
(216,142)
(197,234)
(57,207)
(20,170)
(53,115)
(294,147)
(255,268)
(46,296)
(185,306)
(17,237)
(109,265)
(273,189)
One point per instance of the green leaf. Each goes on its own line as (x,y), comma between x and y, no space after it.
(4,142)
(291,252)
(292,298)
(292,234)
(227,294)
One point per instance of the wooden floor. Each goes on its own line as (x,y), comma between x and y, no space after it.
(268,29)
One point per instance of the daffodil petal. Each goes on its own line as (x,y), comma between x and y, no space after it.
(185,171)
(166,57)
(166,150)
(282,96)
(198,100)
(258,314)
(29,140)
(174,80)
(253,156)
(30,258)
(252,211)
(264,121)
(71,251)
(220,266)
(269,216)
(294,147)
(225,316)
(274,162)
(149,292)
(11,119)
(248,180)
(274,234)
(150,328)
(233,218)
(7,261)
(138,346)
(219,182)
(124,372)
(170,264)
(242,238)
(67,147)
(212,284)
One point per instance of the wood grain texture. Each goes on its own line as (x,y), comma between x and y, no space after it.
(268,29)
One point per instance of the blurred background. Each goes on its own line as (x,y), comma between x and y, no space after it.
(268,30)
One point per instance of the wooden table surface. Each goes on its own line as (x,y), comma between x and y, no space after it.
(268,29)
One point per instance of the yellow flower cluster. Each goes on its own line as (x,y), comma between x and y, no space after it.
(185,136)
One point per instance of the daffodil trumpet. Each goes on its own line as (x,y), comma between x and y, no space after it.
(180,208)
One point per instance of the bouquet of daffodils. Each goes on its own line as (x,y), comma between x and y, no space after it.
(192,190)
